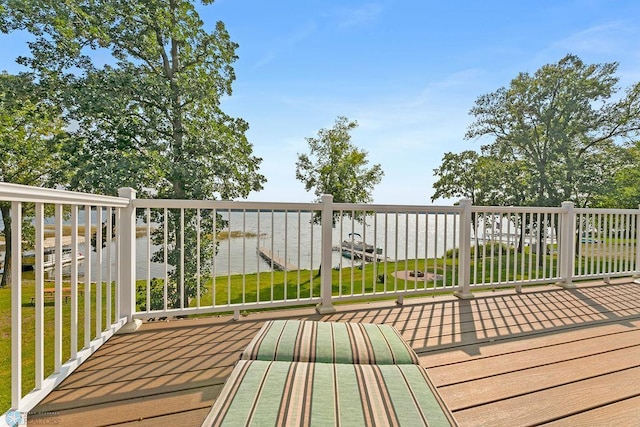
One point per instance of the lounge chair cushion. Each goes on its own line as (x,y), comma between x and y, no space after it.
(329,342)
(298,393)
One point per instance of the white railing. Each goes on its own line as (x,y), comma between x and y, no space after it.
(520,244)
(161,258)
(410,250)
(74,315)
(608,244)
(352,254)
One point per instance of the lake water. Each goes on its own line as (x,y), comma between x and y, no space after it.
(292,236)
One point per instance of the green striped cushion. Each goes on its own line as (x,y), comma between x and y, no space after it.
(320,394)
(329,342)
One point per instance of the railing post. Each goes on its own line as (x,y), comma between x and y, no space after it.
(567,246)
(637,265)
(637,236)
(16,304)
(464,252)
(326,273)
(127,260)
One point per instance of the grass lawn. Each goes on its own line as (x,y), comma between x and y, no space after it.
(301,284)
(28,336)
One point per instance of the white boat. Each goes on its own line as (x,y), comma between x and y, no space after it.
(49,255)
(358,245)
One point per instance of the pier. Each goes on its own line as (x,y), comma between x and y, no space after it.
(277,262)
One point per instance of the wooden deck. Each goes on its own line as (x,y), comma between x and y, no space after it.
(544,356)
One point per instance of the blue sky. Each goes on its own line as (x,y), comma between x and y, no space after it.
(408,71)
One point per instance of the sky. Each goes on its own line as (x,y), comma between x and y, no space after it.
(408,71)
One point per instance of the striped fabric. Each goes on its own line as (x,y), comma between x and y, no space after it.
(276,393)
(329,342)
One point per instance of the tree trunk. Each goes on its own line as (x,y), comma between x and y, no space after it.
(542,242)
(6,219)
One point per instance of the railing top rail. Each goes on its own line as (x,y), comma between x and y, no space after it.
(396,208)
(550,209)
(607,211)
(224,204)
(23,193)
(284,206)
(518,209)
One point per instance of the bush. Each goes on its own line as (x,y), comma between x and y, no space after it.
(488,249)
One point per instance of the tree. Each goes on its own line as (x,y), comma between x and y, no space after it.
(335,166)
(556,138)
(561,125)
(31,135)
(480,177)
(150,117)
(623,190)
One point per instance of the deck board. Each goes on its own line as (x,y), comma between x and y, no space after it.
(549,404)
(623,413)
(136,409)
(545,355)
(542,353)
(544,376)
(187,418)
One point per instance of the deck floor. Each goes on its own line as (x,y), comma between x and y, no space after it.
(544,356)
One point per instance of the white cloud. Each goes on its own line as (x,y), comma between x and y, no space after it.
(353,17)
(608,38)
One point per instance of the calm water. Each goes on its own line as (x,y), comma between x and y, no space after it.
(291,236)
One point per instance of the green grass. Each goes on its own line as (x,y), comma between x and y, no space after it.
(28,336)
(303,284)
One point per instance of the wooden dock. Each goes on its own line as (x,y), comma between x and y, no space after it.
(275,261)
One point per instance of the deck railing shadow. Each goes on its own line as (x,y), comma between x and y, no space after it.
(488,318)
(161,359)
(178,355)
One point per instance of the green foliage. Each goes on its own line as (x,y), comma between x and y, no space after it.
(486,250)
(335,166)
(554,138)
(150,117)
(191,262)
(31,133)
(31,137)
(480,177)
(156,295)
(142,83)
(459,176)
(624,189)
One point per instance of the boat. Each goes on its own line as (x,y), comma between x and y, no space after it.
(49,258)
(358,245)
(351,254)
